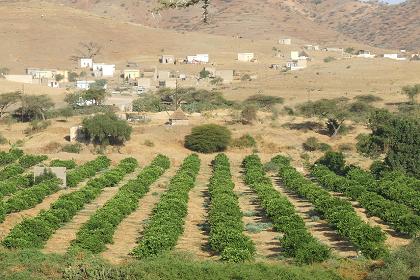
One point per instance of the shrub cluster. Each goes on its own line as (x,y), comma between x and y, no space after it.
(27,161)
(338,212)
(167,222)
(208,138)
(99,230)
(28,198)
(296,242)
(87,170)
(34,232)
(68,164)
(11,156)
(398,216)
(13,184)
(225,216)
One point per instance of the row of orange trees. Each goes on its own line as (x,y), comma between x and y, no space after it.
(167,222)
(99,230)
(338,212)
(296,242)
(34,232)
(225,217)
(398,216)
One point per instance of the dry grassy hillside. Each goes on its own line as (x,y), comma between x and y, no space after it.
(326,21)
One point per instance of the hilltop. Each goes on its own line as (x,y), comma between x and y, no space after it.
(322,21)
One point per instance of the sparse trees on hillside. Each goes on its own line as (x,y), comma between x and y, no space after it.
(87,50)
(8,99)
(35,106)
(173,4)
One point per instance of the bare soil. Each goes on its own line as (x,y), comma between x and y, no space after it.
(60,240)
(319,228)
(266,241)
(129,230)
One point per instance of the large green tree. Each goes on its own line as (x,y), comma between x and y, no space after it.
(412,92)
(35,106)
(208,138)
(106,129)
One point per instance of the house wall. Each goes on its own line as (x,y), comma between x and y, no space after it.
(131,74)
(245,57)
(60,172)
(144,82)
(25,79)
(86,63)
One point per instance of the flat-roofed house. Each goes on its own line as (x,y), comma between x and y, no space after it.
(198,59)
(24,79)
(103,69)
(131,74)
(167,59)
(245,57)
(86,63)
(285,41)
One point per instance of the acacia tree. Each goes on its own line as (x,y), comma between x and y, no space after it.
(87,50)
(8,99)
(173,4)
(35,106)
(412,92)
(335,111)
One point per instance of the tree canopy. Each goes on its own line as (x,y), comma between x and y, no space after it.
(106,129)
(35,106)
(8,99)
(208,138)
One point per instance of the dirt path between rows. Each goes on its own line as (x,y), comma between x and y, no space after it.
(320,229)
(195,237)
(60,240)
(393,239)
(266,241)
(128,231)
(15,218)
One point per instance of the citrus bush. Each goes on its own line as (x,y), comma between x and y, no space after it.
(338,212)
(34,232)
(99,230)
(296,242)
(208,138)
(167,222)
(225,217)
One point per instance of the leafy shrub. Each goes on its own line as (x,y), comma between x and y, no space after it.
(338,212)
(282,213)
(358,186)
(245,141)
(368,98)
(27,161)
(225,217)
(87,170)
(204,73)
(345,147)
(99,230)
(72,148)
(264,102)
(208,138)
(68,164)
(10,156)
(311,144)
(37,126)
(34,232)
(329,59)
(166,224)
(106,129)
(366,146)
(334,161)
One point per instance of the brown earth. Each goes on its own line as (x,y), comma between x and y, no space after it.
(129,230)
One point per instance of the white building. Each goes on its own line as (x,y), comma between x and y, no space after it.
(285,41)
(245,57)
(104,70)
(85,85)
(311,47)
(296,55)
(365,54)
(53,84)
(394,56)
(198,58)
(297,64)
(86,63)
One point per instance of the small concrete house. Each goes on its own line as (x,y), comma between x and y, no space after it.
(395,56)
(86,63)
(38,73)
(104,70)
(226,75)
(167,59)
(296,55)
(150,73)
(163,75)
(297,64)
(285,41)
(24,79)
(168,83)
(145,83)
(245,57)
(131,74)
(84,85)
(178,118)
(198,59)
(365,54)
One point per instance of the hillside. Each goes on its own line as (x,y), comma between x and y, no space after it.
(322,21)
